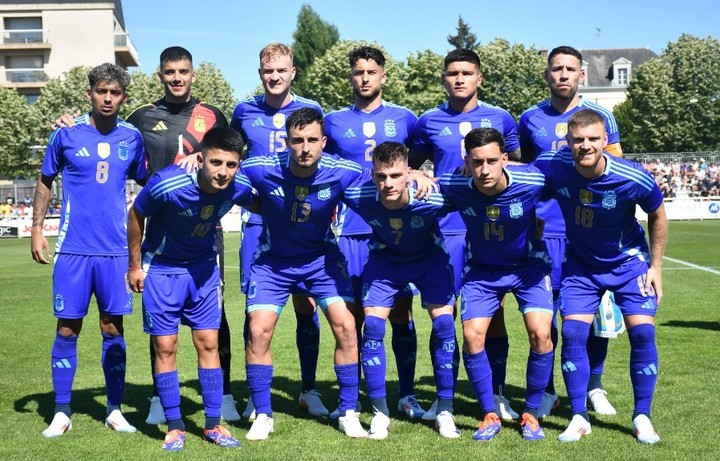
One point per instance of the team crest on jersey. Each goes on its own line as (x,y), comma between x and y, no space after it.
(103,150)
(485,123)
(609,199)
(301,192)
(207,211)
(279,120)
(417,222)
(464,128)
(492,212)
(390,129)
(560,129)
(586,197)
(324,192)
(369,129)
(225,208)
(122,150)
(516,208)
(396,223)
(199,124)
(59,303)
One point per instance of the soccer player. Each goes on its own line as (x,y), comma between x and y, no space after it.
(598,194)
(178,274)
(406,248)
(96,157)
(438,136)
(498,207)
(353,133)
(542,128)
(173,128)
(261,122)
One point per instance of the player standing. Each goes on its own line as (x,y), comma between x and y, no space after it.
(352,134)
(96,157)
(261,121)
(607,250)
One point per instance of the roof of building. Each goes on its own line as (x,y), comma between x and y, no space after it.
(600,63)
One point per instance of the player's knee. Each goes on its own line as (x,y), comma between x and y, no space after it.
(540,341)
(374,328)
(444,326)
(575,332)
(641,335)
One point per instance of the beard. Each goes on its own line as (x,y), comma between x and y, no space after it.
(564,94)
(367,97)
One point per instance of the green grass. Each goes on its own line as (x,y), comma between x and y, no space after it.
(684,410)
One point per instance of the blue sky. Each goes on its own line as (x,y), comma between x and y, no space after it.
(231,33)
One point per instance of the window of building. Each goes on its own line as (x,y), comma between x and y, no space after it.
(622,76)
(23,30)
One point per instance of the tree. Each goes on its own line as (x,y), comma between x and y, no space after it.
(66,94)
(312,38)
(211,87)
(674,100)
(422,75)
(328,78)
(464,38)
(143,90)
(512,75)
(15,160)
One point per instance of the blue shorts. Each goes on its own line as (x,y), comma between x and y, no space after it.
(193,298)
(77,277)
(384,279)
(250,242)
(455,245)
(272,281)
(356,249)
(583,287)
(556,251)
(484,289)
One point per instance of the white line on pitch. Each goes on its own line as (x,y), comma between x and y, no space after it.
(694,266)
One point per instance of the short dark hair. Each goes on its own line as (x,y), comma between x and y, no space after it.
(109,73)
(368,53)
(483,136)
(564,50)
(585,117)
(304,117)
(223,138)
(463,55)
(389,152)
(173,54)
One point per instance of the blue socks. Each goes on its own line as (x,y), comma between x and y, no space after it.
(575,365)
(404,346)
(211,386)
(372,356)
(259,379)
(497,350)
(64,363)
(444,350)
(349,383)
(643,366)
(168,389)
(480,377)
(113,360)
(537,374)
(307,339)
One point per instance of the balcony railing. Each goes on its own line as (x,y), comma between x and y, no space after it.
(22,36)
(26,75)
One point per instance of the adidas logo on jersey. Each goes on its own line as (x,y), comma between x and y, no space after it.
(258,122)
(349,134)
(82,153)
(469,211)
(375,223)
(187,213)
(564,192)
(279,192)
(540,133)
(445,132)
(160,126)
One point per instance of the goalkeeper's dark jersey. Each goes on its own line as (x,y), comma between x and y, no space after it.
(172,131)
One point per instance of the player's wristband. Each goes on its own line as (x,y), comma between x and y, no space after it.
(134,268)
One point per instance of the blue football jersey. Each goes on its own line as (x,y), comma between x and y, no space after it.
(600,213)
(440,134)
(182,217)
(405,235)
(95,168)
(297,211)
(263,127)
(353,134)
(500,228)
(542,128)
